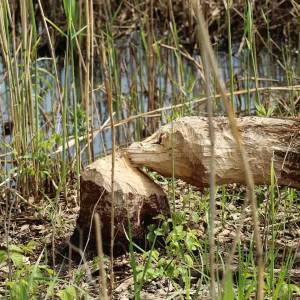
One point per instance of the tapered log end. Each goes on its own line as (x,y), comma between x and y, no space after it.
(183,149)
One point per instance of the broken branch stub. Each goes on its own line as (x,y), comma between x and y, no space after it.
(137,199)
(186,141)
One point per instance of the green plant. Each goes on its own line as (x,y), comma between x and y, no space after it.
(263,111)
(47,169)
(26,278)
(176,263)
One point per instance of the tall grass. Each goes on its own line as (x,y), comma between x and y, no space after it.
(68,109)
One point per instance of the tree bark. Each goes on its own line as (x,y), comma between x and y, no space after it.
(267,141)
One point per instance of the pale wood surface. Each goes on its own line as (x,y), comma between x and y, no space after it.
(186,143)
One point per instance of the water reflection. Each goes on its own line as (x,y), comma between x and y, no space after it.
(177,80)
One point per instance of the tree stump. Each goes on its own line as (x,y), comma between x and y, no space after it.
(137,199)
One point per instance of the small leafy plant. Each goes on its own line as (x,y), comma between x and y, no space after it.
(26,278)
(176,263)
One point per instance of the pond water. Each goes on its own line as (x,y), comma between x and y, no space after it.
(178,80)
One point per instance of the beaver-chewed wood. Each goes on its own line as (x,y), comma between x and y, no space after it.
(137,199)
(185,146)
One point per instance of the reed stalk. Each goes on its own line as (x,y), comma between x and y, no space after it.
(230,55)
(86,101)
(107,80)
(102,283)
(204,37)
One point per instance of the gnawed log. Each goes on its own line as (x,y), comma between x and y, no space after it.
(186,142)
(137,198)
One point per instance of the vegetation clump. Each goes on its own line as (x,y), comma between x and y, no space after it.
(82,79)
